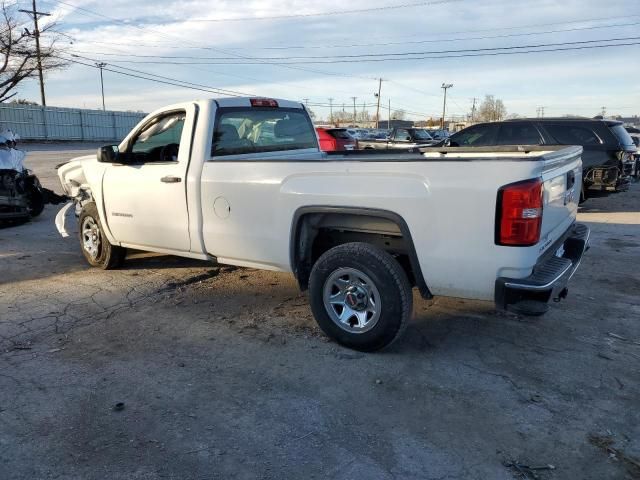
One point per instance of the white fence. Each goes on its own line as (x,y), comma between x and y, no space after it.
(33,122)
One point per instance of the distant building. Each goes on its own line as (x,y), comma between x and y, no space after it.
(629,121)
(396,123)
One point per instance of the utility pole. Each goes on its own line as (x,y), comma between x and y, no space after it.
(604,112)
(101,65)
(36,34)
(355,117)
(306,102)
(473,110)
(331,110)
(378,107)
(389,117)
(445,87)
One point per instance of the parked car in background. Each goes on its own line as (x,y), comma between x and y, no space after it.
(335,140)
(635,137)
(400,139)
(439,134)
(357,229)
(358,133)
(608,159)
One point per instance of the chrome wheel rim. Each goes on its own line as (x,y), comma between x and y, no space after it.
(91,237)
(352,300)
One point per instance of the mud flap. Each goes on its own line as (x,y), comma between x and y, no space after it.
(61,218)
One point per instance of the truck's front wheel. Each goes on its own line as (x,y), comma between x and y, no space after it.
(360,296)
(95,246)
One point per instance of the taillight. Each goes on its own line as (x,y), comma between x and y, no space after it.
(263,102)
(519,213)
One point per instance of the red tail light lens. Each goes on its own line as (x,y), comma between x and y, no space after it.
(519,213)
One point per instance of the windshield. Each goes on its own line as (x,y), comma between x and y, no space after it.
(422,135)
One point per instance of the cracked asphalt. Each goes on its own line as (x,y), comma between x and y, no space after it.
(223,373)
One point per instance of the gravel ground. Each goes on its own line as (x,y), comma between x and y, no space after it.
(222,372)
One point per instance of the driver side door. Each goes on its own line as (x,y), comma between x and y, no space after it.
(145,197)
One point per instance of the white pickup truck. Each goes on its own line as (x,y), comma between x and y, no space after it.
(241,181)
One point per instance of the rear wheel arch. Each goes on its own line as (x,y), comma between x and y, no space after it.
(311,221)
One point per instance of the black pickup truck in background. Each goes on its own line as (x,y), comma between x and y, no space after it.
(608,151)
(399,139)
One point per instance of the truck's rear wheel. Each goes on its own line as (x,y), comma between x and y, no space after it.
(360,296)
(95,247)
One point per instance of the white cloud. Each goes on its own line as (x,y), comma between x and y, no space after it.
(579,80)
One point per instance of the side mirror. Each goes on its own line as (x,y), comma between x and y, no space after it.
(447,143)
(108,154)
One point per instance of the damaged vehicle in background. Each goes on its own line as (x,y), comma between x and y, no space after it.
(608,152)
(21,195)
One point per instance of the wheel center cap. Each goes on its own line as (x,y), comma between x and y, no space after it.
(356,298)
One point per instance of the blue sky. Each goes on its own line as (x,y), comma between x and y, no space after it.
(577,81)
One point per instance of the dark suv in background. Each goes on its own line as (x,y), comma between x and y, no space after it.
(608,158)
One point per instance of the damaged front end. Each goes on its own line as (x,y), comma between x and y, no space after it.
(13,201)
(21,195)
(75,186)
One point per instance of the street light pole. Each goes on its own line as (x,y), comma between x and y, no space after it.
(355,116)
(101,65)
(445,87)
(331,111)
(378,107)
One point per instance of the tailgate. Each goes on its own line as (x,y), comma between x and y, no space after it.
(562,177)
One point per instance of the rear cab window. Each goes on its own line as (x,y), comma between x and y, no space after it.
(247,130)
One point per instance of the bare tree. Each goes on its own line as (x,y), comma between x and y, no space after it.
(398,115)
(18,55)
(491,110)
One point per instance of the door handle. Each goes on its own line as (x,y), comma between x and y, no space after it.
(169,179)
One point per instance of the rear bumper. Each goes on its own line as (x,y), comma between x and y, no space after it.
(530,295)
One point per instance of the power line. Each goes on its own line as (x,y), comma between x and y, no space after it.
(346,45)
(160,78)
(324,14)
(446,40)
(477,52)
(86,11)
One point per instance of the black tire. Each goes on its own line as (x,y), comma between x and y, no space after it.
(391,292)
(100,253)
(36,202)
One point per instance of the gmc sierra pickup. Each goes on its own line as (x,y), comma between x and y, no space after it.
(241,181)
(400,139)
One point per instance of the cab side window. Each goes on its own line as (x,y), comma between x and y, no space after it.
(159,141)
